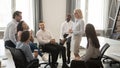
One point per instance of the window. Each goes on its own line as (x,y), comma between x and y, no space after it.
(5,13)
(94,12)
(10,6)
(26,7)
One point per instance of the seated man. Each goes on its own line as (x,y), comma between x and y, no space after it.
(44,38)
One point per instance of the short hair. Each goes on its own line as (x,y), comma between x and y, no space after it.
(25,36)
(16,13)
(41,21)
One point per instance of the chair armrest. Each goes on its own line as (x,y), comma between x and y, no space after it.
(34,63)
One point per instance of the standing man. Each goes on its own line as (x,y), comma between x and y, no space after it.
(66,35)
(11,30)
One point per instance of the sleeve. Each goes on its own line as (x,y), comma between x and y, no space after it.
(62,31)
(40,39)
(12,33)
(81,28)
(28,53)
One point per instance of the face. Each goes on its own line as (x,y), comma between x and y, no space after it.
(42,26)
(19,17)
(24,25)
(76,15)
(68,18)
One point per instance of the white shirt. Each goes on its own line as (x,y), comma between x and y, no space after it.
(43,37)
(65,28)
(10,31)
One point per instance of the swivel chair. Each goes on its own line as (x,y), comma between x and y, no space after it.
(93,63)
(49,57)
(21,61)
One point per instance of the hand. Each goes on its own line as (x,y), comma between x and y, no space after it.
(35,53)
(52,41)
(70,31)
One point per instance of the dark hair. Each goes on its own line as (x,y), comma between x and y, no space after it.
(91,33)
(16,13)
(25,36)
(19,26)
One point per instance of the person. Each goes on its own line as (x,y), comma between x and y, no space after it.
(77,32)
(92,50)
(49,45)
(24,45)
(10,32)
(22,26)
(66,35)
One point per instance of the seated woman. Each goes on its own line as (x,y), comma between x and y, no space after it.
(25,38)
(22,26)
(92,50)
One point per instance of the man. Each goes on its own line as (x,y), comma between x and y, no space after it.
(49,45)
(66,34)
(11,30)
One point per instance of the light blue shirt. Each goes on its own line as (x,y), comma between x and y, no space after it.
(78,27)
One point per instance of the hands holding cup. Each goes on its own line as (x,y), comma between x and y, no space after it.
(35,53)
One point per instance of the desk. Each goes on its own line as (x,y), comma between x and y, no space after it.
(6,57)
(113,51)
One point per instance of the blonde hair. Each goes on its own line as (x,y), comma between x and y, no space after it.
(79,12)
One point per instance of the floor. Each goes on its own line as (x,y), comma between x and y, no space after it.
(82,51)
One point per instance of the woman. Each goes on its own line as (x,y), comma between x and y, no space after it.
(24,46)
(77,32)
(92,51)
(22,26)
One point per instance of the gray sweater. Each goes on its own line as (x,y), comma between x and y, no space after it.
(26,49)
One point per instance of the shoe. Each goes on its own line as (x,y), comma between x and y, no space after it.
(44,58)
(65,65)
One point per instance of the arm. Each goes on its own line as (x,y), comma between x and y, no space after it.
(62,31)
(40,38)
(28,53)
(19,35)
(12,33)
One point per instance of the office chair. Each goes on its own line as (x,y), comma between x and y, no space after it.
(106,58)
(78,64)
(49,57)
(93,63)
(20,59)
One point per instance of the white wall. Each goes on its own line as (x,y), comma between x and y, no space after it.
(54,12)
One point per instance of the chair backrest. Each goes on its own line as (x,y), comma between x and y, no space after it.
(103,49)
(77,64)
(97,63)
(18,57)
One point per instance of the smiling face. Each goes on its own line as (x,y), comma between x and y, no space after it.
(18,17)
(42,26)
(78,14)
(24,26)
